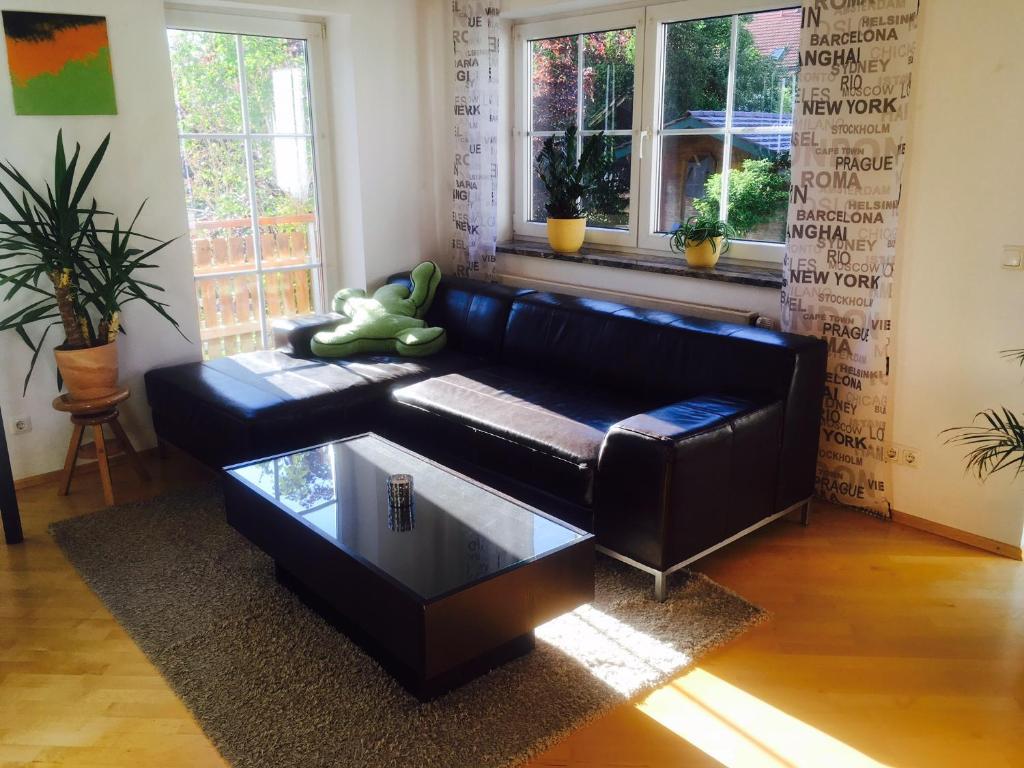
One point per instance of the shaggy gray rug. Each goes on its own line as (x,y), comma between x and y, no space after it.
(275,686)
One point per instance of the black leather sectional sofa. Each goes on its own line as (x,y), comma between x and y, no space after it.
(665,435)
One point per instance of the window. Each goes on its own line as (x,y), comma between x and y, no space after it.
(699,117)
(245,105)
(584,76)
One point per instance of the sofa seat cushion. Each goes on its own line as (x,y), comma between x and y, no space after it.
(537,428)
(266,402)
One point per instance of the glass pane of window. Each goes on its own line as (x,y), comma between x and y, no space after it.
(217,248)
(608,60)
(276,85)
(217,197)
(691,181)
(766,68)
(692,171)
(283,168)
(759,186)
(206,84)
(538,195)
(609,203)
(288,293)
(236,267)
(696,72)
(229,320)
(554,82)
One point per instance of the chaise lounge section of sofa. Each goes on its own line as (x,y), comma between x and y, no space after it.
(665,435)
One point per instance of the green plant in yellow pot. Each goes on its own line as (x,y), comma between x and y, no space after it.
(570,176)
(702,239)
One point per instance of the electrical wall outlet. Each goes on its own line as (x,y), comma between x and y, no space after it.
(1013,256)
(21,424)
(908,457)
(901,454)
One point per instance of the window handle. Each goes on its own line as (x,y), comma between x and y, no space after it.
(643,138)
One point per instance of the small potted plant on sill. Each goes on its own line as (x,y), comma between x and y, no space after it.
(702,239)
(63,270)
(570,181)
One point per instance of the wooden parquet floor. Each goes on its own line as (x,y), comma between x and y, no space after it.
(887,646)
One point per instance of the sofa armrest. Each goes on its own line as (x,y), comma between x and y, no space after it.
(679,479)
(293,334)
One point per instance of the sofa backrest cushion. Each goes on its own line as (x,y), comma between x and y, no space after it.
(649,352)
(582,339)
(472,312)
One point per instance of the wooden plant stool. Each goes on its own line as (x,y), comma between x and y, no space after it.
(96,413)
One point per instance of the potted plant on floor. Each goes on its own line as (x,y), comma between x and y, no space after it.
(995,440)
(702,239)
(570,178)
(62,269)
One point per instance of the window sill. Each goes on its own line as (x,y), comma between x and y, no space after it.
(727,270)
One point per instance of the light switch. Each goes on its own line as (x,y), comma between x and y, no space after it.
(1013,256)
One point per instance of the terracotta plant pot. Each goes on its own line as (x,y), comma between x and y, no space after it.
(702,254)
(88,373)
(566,235)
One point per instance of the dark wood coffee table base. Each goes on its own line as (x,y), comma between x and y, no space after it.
(411,679)
(430,646)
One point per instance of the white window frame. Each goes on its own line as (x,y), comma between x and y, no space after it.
(647,131)
(523,132)
(313,34)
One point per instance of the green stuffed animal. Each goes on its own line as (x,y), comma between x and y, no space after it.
(391,322)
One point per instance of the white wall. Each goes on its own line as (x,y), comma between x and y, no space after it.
(641,284)
(395,84)
(386,202)
(956,307)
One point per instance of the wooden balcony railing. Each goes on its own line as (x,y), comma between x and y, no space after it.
(226,279)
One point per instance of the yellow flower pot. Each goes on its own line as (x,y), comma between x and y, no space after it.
(566,235)
(703,254)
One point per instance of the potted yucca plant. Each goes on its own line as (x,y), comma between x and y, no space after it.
(570,182)
(66,271)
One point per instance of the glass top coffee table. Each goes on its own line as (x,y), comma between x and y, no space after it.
(439,590)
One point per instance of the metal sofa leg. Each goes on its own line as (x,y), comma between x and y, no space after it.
(660,583)
(661,577)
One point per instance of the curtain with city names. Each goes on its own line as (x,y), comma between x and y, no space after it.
(475,121)
(849,142)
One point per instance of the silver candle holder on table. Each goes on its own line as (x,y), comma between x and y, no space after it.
(401,503)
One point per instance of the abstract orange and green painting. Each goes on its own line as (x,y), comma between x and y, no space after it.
(60,64)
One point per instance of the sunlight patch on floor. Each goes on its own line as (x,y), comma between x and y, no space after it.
(738,729)
(623,658)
